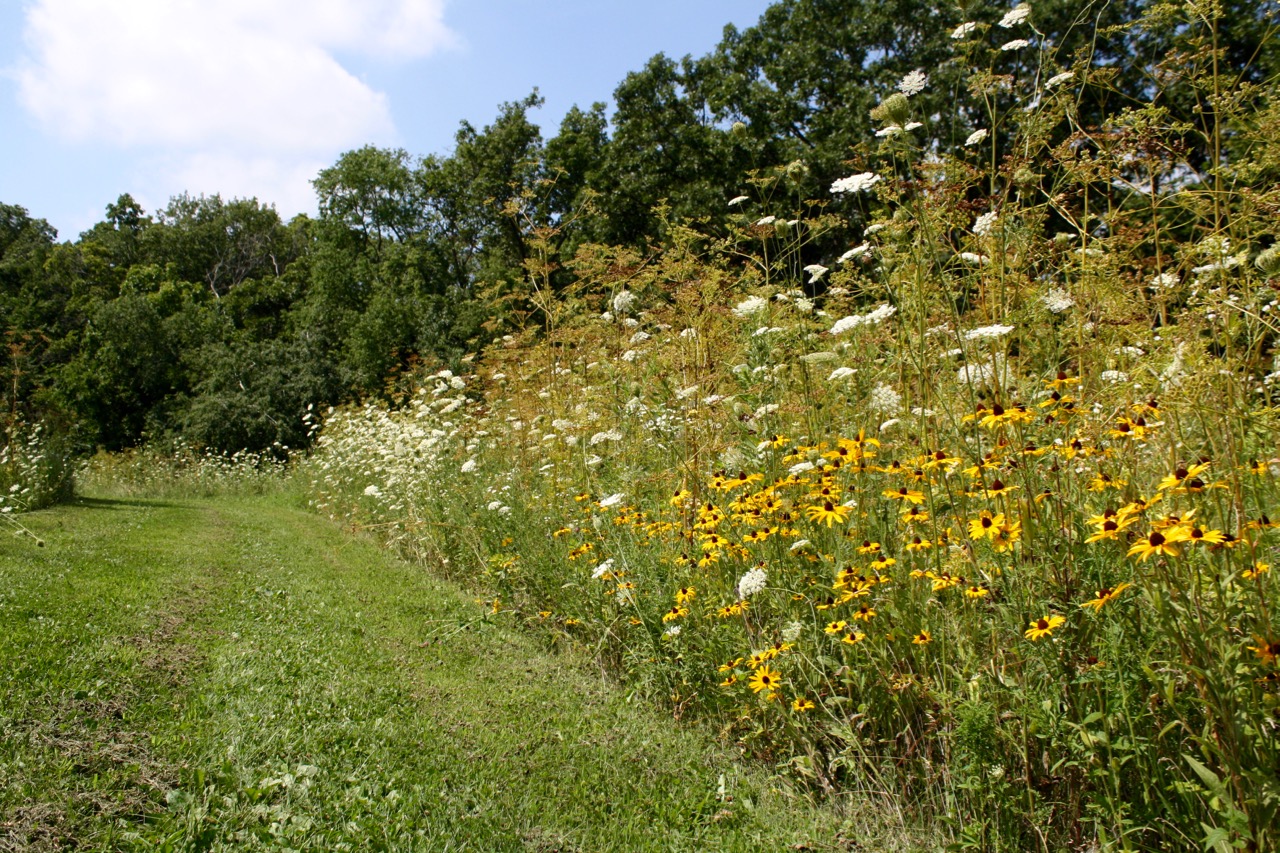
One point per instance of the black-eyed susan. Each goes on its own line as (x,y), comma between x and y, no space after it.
(765,679)
(904,494)
(865,613)
(685,594)
(1105,596)
(802,704)
(986,525)
(919,544)
(1043,627)
(675,613)
(1259,569)
(1111,528)
(836,627)
(869,547)
(828,513)
(998,488)
(1156,542)
(924,638)
(852,638)
(1266,649)
(1006,536)
(1181,476)
(680,498)
(914,515)
(976,592)
(1198,535)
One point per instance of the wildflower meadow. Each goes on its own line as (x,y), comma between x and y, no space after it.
(970,523)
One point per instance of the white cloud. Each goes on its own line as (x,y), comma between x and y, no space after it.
(246,93)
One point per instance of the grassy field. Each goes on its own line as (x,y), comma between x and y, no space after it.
(200,675)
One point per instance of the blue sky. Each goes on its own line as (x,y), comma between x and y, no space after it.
(252,97)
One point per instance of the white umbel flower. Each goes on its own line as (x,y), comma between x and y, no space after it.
(751,583)
(737,200)
(985,224)
(1016,44)
(1015,16)
(750,306)
(817,271)
(855,183)
(987,332)
(855,252)
(964,29)
(1059,79)
(885,400)
(976,137)
(1057,300)
(913,82)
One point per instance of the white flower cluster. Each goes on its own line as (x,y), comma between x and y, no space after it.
(1057,300)
(986,332)
(873,318)
(750,306)
(841,373)
(856,251)
(603,569)
(607,435)
(855,183)
(976,137)
(1059,79)
(817,271)
(1015,16)
(737,200)
(885,400)
(752,583)
(986,223)
(1016,44)
(964,29)
(623,302)
(913,82)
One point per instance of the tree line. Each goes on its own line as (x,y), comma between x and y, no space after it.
(215,320)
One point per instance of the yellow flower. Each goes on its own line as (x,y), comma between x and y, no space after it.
(1158,543)
(1106,595)
(765,679)
(675,613)
(905,494)
(976,591)
(985,525)
(828,512)
(802,704)
(864,613)
(1043,627)
(836,627)
(924,638)
(853,638)
(1259,568)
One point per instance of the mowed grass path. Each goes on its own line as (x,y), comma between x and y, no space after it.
(238,673)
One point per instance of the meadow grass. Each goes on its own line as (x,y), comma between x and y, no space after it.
(239,674)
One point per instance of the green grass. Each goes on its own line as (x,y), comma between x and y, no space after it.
(238,673)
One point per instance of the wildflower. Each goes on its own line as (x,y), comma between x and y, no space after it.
(987,332)
(974,258)
(752,582)
(854,252)
(864,613)
(853,638)
(1157,543)
(964,29)
(986,223)
(737,200)
(1059,79)
(1110,528)
(1266,650)
(1259,569)
(672,631)
(1182,476)
(985,525)
(855,183)
(611,500)
(1106,595)
(685,594)
(765,679)
(675,613)
(750,306)
(841,373)
(872,318)
(1057,300)
(918,544)
(1043,627)
(913,82)
(836,627)
(905,494)
(604,571)
(976,592)
(924,638)
(1016,44)
(1198,534)
(998,488)
(828,513)
(885,399)
(802,704)
(1015,16)
(374,492)
(817,271)
(976,137)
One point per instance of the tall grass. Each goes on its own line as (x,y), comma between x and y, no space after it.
(179,470)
